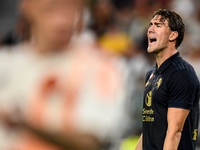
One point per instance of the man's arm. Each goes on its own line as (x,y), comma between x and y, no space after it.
(76,141)
(139,144)
(176,118)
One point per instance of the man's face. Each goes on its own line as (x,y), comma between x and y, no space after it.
(54,20)
(158,35)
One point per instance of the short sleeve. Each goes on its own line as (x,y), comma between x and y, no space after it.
(182,87)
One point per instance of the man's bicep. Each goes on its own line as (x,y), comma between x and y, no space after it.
(176,118)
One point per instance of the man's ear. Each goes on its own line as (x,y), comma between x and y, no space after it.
(173,36)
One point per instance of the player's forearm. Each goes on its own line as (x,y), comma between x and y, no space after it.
(74,141)
(139,144)
(172,140)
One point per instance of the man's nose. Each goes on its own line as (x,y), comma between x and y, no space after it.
(151,29)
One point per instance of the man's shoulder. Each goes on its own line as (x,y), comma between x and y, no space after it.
(180,68)
(181,64)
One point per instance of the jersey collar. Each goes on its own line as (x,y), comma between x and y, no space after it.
(166,63)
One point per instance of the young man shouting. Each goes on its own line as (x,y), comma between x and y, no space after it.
(171,96)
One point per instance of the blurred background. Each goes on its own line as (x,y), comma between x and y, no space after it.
(119,28)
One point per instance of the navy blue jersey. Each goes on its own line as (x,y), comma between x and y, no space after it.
(173,84)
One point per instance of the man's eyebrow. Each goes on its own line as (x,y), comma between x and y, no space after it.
(157,23)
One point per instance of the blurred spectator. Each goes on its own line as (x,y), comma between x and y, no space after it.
(123,18)
(115,41)
(56,94)
(134,66)
(103,13)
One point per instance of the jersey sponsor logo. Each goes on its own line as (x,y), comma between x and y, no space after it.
(148,99)
(147,83)
(159,83)
(147,118)
(195,134)
(148,114)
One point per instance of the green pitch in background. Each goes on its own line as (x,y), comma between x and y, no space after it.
(129,143)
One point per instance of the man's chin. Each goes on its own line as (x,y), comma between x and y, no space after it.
(150,50)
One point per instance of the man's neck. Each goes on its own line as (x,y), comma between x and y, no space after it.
(164,55)
(43,47)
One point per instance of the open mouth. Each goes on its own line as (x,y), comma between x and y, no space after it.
(152,39)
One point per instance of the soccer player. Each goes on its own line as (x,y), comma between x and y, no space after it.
(171,96)
(61,95)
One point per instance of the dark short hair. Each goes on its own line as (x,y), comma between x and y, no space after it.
(175,23)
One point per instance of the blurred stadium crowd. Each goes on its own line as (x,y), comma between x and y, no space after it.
(116,31)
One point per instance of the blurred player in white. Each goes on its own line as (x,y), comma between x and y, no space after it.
(58,95)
